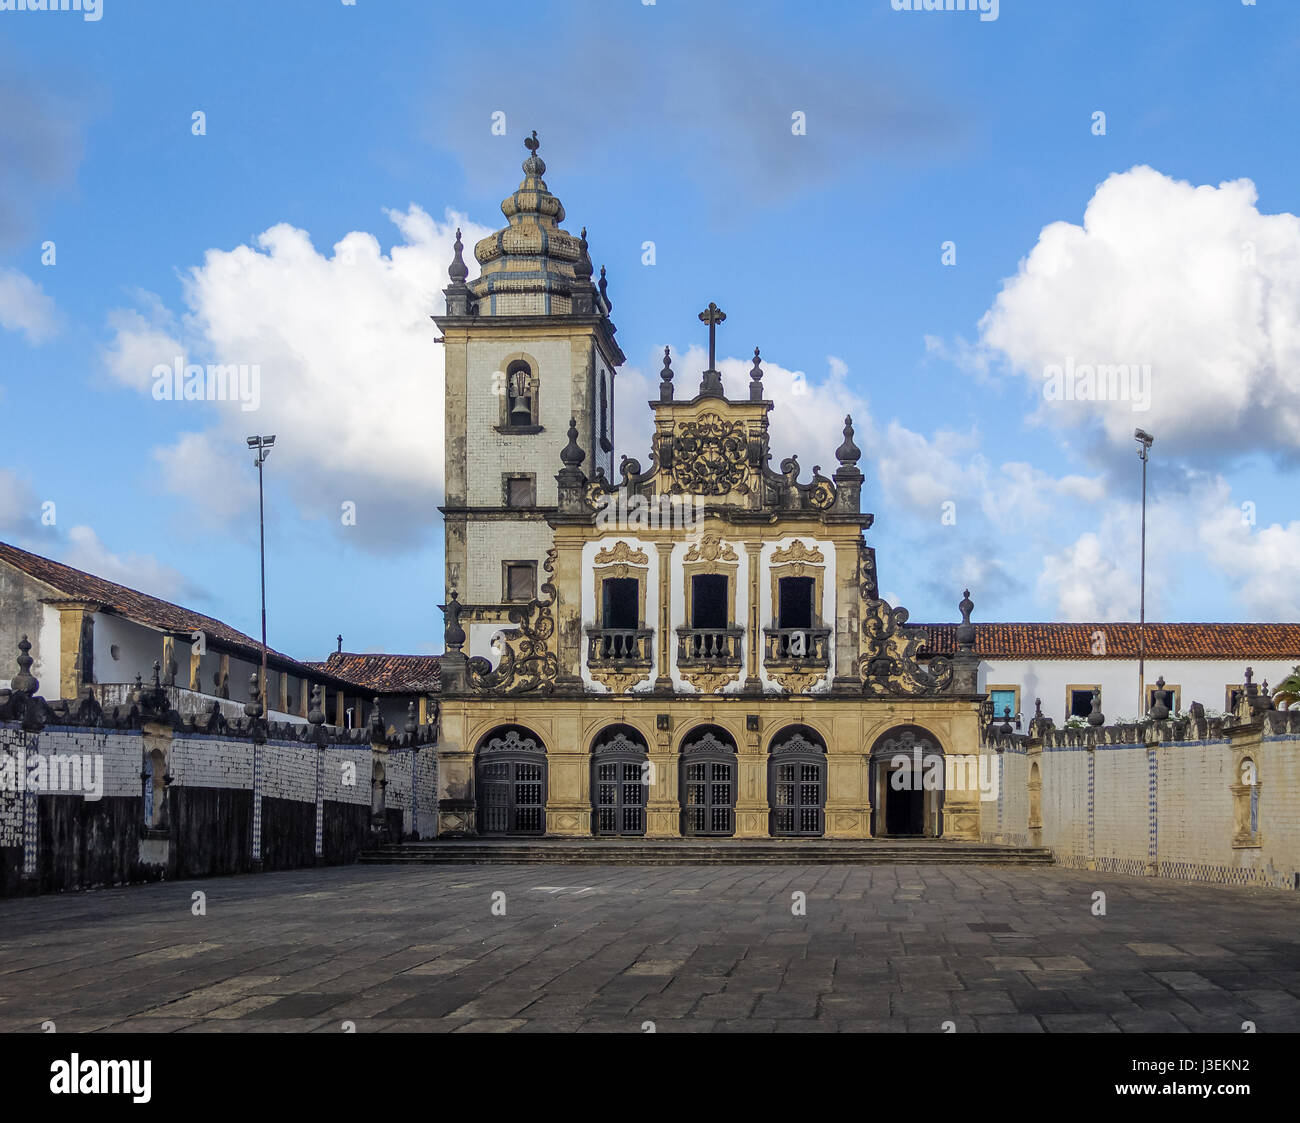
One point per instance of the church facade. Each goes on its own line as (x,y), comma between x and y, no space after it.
(693,645)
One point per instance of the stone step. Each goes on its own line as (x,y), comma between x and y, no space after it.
(692,852)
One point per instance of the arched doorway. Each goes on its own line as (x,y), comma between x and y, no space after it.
(796,783)
(708,782)
(619,781)
(510,776)
(906,774)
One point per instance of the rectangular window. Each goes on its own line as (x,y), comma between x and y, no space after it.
(520,491)
(1005,699)
(1078,700)
(709,606)
(520,581)
(795,609)
(620,607)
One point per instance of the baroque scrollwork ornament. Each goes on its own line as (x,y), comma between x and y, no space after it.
(527,662)
(889,660)
(710,455)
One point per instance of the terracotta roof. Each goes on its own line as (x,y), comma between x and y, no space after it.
(75,584)
(1167,641)
(387,674)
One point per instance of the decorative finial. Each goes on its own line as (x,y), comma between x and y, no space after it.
(711,383)
(604,291)
(453,633)
(572,456)
(756,378)
(253,707)
(966,630)
(582,267)
(23,682)
(666,378)
(534,165)
(411,723)
(1038,709)
(1158,711)
(848,453)
(316,715)
(1095,716)
(458,270)
(378,730)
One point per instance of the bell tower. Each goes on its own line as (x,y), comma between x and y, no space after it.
(529,347)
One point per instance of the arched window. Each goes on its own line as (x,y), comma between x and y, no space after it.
(510,778)
(520,399)
(155,780)
(1035,797)
(619,782)
(708,782)
(796,776)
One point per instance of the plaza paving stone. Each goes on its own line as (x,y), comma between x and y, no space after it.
(629,949)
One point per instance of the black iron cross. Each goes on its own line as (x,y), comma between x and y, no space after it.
(713,316)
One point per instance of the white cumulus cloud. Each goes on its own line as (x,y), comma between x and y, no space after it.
(1191,280)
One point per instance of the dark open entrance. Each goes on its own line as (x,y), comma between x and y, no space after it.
(620,607)
(904,809)
(709,607)
(795,609)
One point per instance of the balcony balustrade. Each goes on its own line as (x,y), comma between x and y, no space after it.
(709,646)
(797,646)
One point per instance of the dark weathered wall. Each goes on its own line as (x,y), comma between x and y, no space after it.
(85,844)
(212,831)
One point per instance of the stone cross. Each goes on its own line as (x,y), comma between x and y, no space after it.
(713,316)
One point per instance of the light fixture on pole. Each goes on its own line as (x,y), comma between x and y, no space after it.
(262,447)
(1145,440)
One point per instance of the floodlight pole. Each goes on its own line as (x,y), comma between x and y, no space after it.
(1144,440)
(262,446)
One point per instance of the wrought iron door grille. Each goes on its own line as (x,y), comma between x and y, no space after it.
(512,797)
(798,795)
(709,797)
(620,797)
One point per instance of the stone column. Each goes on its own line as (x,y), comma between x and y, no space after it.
(568,777)
(455,774)
(663,680)
(848,803)
(663,806)
(848,615)
(753,684)
(961,808)
(752,813)
(76,646)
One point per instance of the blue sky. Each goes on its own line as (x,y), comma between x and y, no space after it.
(668,123)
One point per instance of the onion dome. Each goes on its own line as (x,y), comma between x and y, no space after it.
(532,267)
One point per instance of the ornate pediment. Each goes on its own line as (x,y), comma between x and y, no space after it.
(711,548)
(798,552)
(622,554)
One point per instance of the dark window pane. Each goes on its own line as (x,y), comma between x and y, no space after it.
(796,602)
(709,606)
